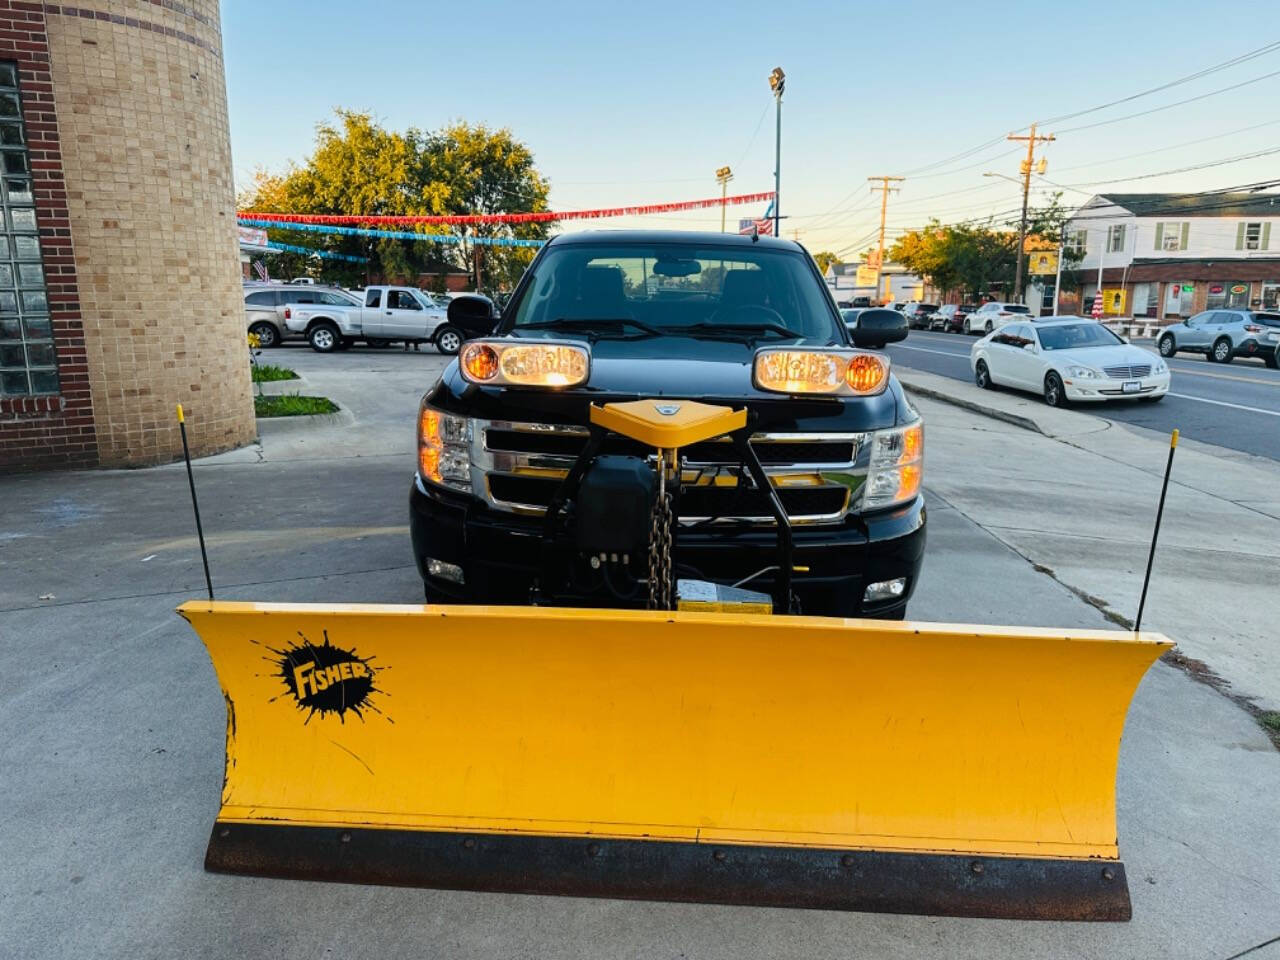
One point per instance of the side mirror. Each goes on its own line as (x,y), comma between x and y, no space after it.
(883,328)
(1029,347)
(473,314)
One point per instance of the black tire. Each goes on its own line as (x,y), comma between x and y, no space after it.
(377,343)
(1055,394)
(324,338)
(1167,347)
(986,327)
(1272,361)
(448,339)
(266,333)
(982,376)
(1220,352)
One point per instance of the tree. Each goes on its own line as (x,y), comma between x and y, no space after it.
(360,168)
(825,259)
(475,170)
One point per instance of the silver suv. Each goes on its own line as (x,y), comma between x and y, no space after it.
(264,305)
(1223,335)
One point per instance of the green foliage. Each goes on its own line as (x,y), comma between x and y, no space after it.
(269,372)
(825,259)
(358,167)
(978,258)
(292,405)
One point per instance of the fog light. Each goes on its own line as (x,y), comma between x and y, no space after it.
(885,590)
(444,571)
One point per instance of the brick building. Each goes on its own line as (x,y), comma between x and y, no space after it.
(120,289)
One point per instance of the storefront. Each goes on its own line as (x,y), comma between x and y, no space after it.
(1227,293)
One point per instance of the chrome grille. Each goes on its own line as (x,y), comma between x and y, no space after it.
(1128,373)
(516,467)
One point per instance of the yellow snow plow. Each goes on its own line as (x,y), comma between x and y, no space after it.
(672,755)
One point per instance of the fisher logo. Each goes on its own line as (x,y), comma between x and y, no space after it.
(326,679)
(667,409)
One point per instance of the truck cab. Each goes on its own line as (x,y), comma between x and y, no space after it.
(672,318)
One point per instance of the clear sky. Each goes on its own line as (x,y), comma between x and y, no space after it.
(626,103)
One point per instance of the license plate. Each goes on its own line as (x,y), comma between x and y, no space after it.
(1131,386)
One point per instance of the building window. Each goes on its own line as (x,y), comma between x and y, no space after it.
(28,364)
(1253,236)
(1076,243)
(1115,238)
(1172,235)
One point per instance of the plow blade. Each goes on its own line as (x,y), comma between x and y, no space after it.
(753,759)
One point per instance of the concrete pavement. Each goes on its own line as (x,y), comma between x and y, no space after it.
(113,753)
(1078,496)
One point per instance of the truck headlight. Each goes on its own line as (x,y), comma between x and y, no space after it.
(845,373)
(514,363)
(897,466)
(444,448)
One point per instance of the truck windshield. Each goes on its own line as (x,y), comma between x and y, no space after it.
(676,288)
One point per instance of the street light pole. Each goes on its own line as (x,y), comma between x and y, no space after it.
(723,176)
(777,79)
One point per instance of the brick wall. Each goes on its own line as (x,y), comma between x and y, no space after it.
(126,107)
(47,431)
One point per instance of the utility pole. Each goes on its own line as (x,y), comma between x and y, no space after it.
(1032,139)
(777,79)
(723,176)
(885,190)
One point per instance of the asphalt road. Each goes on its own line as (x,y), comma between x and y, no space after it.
(114,725)
(1236,406)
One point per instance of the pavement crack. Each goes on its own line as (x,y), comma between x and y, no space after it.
(1259,946)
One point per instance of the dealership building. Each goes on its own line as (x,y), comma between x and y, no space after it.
(120,274)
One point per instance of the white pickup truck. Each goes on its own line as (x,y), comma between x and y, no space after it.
(388,314)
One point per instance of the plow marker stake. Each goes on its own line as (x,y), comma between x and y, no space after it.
(788,761)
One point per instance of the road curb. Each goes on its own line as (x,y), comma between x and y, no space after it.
(276,426)
(987,411)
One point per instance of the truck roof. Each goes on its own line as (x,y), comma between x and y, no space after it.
(690,237)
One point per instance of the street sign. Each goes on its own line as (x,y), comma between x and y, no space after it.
(1044,262)
(866,276)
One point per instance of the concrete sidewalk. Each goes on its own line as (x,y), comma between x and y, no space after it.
(1076,495)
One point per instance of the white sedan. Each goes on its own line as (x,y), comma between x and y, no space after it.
(1066,359)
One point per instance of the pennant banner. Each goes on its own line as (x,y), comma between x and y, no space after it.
(310,252)
(393,234)
(545,216)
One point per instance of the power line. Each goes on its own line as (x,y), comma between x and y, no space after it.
(1164,173)
(1176,103)
(1252,54)
(1175,146)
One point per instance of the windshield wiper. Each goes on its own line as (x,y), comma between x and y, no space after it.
(589,325)
(744,331)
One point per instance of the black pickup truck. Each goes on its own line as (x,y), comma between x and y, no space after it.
(736,321)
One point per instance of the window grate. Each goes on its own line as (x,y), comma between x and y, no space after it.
(28,361)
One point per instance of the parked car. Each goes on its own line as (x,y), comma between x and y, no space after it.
(265,303)
(874,326)
(1223,335)
(918,314)
(1067,359)
(386,315)
(949,317)
(995,314)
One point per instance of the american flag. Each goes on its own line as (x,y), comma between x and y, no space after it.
(762,227)
(260,269)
